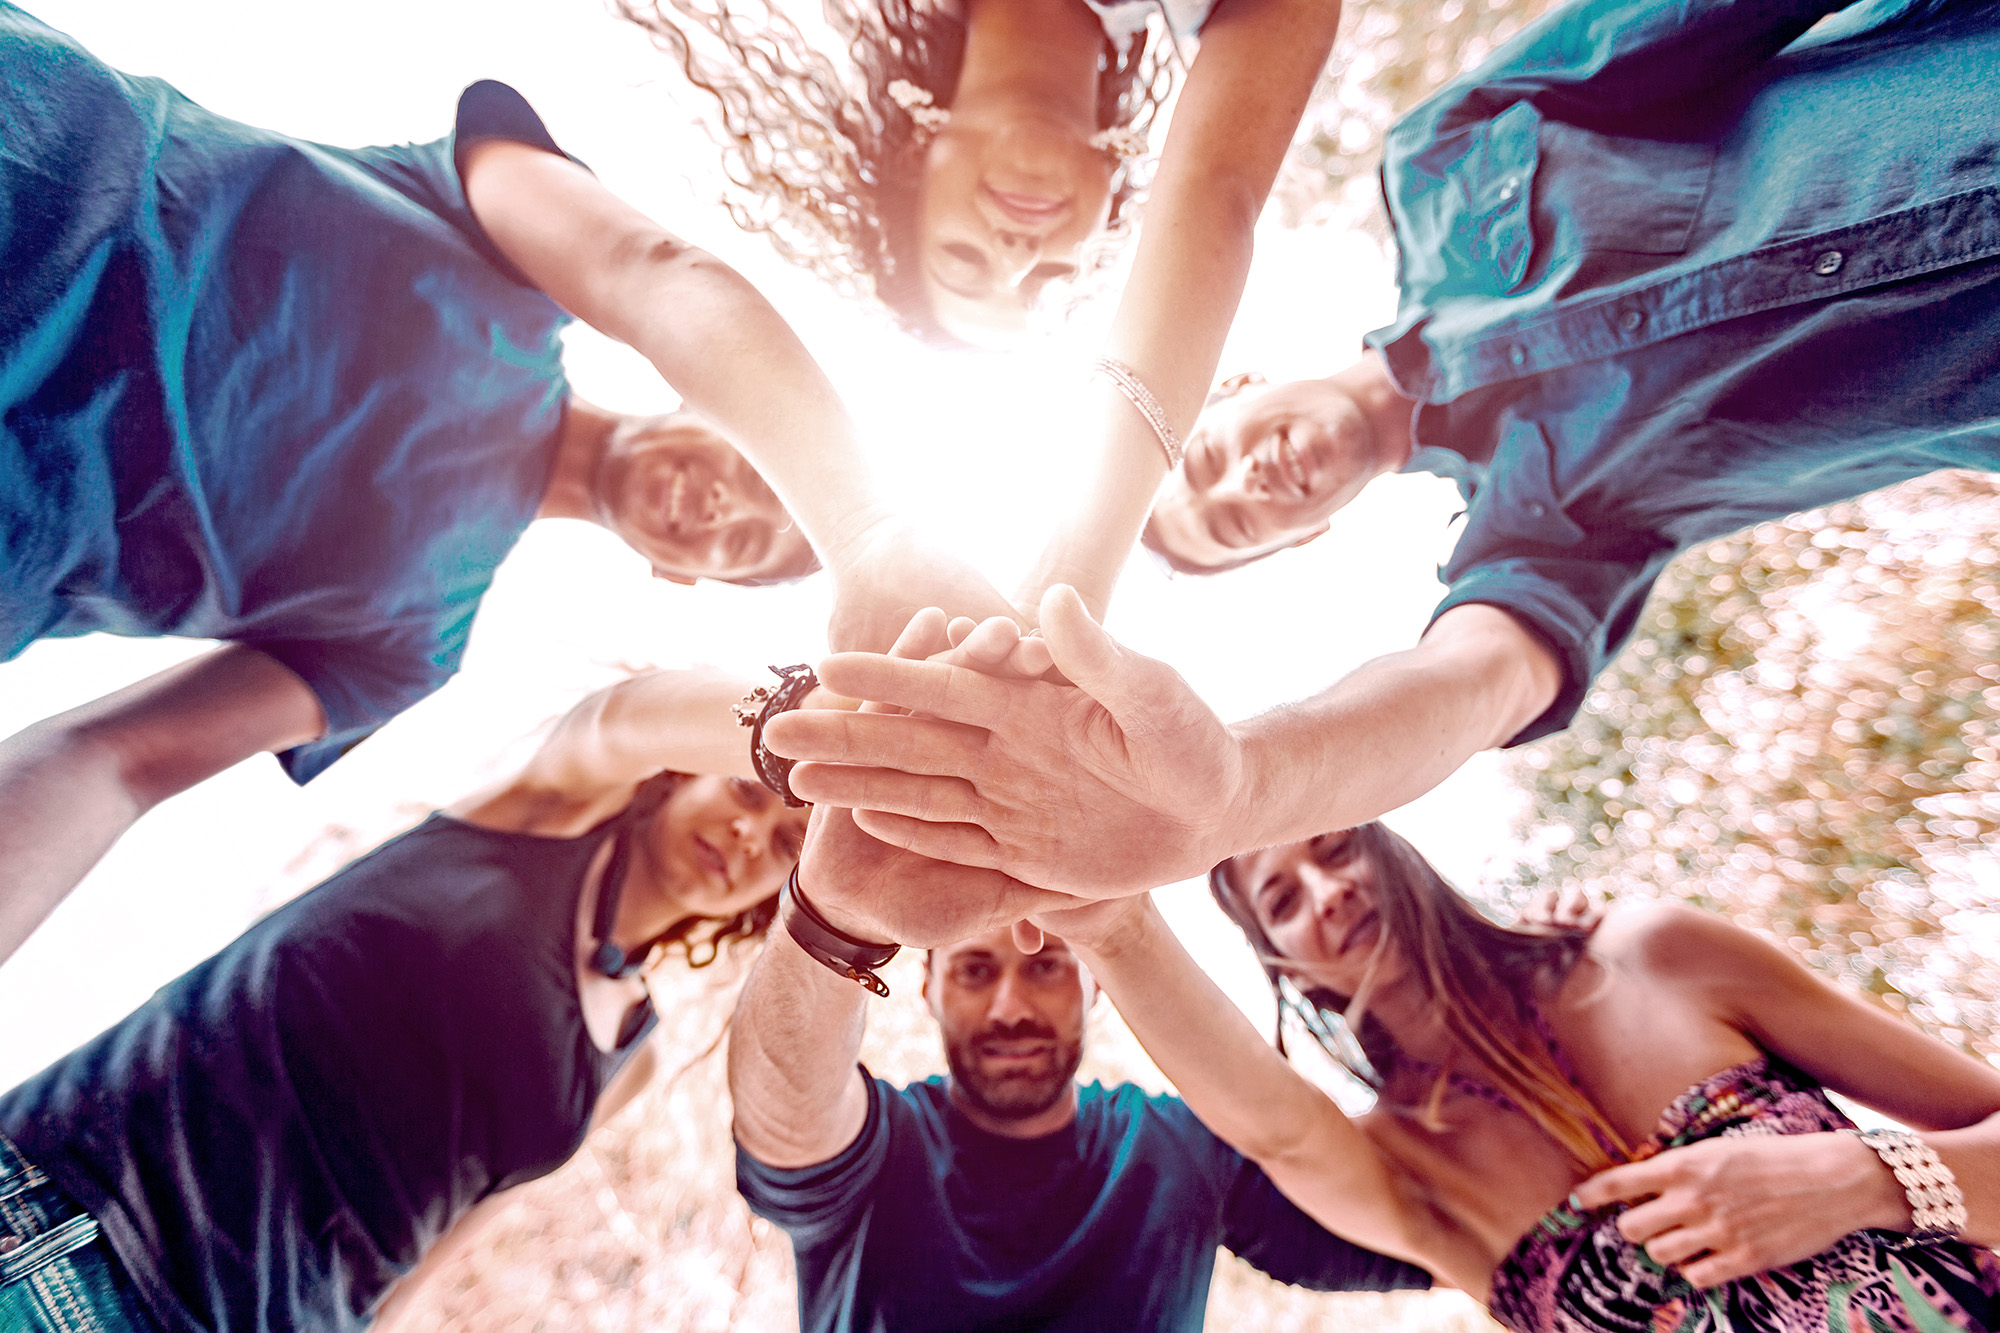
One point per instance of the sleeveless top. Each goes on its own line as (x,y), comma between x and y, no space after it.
(257,389)
(278,1135)
(1574,1273)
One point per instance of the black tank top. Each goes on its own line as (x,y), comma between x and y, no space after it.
(278,1135)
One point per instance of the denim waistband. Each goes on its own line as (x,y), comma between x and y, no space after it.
(39,1223)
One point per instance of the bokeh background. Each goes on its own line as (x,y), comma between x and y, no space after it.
(1803,735)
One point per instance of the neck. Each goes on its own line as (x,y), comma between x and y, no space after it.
(586,430)
(1384,407)
(1038,56)
(1045,1121)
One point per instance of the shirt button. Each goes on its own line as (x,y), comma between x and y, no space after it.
(1828,263)
(1537,509)
(1631,320)
(1517,355)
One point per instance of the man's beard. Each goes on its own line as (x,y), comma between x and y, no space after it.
(1029,1087)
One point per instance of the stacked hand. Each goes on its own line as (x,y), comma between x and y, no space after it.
(873,890)
(885,574)
(1110,786)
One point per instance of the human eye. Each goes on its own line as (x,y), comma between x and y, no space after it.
(750,795)
(1281,899)
(1330,849)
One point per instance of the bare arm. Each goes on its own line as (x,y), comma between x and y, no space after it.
(733,359)
(1246,1093)
(797,1091)
(1727,1207)
(1129,780)
(1232,125)
(72,784)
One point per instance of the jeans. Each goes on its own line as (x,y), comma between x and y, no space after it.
(57,1272)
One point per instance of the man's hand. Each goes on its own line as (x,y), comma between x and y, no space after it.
(1113,786)
(885,574)
(1726,1208)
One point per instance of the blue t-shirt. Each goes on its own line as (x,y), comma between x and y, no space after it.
(1670,268)
(257,389)
(926,1222)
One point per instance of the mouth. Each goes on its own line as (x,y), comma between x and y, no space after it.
(1029,210)
(677,500)
(1363,933)
(1294,467)
(711,859)
(1017,1048)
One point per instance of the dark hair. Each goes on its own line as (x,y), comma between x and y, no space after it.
(1472,969)
(699,947)
(830,171)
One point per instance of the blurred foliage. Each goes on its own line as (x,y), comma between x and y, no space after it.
(1805,736)
(1391,54)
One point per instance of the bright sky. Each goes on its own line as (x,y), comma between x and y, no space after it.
(972,445)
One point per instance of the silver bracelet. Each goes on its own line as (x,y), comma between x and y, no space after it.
(1127,381)
(1937,1206)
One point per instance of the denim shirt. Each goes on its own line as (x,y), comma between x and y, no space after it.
(1671,269)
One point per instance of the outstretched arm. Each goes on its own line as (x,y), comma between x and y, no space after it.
(1127,780)
(732,358)
(1246,1093)
(72,784)
(1232,125)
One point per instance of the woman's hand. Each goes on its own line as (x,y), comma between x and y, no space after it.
(884,574)
(1725,1208)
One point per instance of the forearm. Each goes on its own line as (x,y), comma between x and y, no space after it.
(63,802)
(797,1093)
(1389,731)
(735,360)
(1242,1089)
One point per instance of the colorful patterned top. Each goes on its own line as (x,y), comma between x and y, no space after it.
(1574,1273)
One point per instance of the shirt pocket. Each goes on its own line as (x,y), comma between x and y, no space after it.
(1607,193)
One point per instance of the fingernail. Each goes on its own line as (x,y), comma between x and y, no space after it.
(1575,1204)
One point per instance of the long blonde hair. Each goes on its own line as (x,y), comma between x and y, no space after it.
(1479,976)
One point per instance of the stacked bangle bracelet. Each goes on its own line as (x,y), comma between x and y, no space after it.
(1126,380)
(1937,1206)
(759,707)
(827,944)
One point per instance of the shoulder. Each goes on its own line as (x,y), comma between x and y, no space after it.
(1687,945)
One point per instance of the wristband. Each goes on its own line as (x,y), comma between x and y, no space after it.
(760,706)
(829,945)
(1937,1206)
(1126,380)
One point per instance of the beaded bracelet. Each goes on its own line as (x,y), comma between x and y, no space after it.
(1937,1206)
(1126,380)
(827,944)
(759,707)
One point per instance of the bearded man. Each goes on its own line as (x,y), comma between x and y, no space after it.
(1005,1195)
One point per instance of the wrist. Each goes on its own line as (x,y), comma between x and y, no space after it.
(830,943)
(1108,931)
(849,536)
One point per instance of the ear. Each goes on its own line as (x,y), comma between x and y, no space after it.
(681,579)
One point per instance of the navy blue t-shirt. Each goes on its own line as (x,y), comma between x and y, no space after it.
(926,1221)
(257,389)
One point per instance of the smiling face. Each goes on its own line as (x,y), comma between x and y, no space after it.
(1318,903)
(719,846)
(678,493)
(1008,197)
(1265,469)
(1012,1024)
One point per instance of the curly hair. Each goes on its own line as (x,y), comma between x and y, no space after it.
(830,167)
(1471,969)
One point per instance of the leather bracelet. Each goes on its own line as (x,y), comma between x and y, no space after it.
(829,945)
(759,707)
(1937,1206)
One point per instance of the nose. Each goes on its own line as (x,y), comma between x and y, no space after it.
(750,837)
(1010,1000)
(1015,253)
(719,505)
(1330,890)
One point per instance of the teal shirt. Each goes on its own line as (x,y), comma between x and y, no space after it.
(1670,269)
(257,389)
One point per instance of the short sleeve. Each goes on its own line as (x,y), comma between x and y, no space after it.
(1267,1230)
(814,1204)
(360,684)
(490,109)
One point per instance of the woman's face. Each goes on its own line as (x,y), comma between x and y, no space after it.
(723,845)
(1008,197)
(1317,903)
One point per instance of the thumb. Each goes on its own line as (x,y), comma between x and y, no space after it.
(1081,649)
